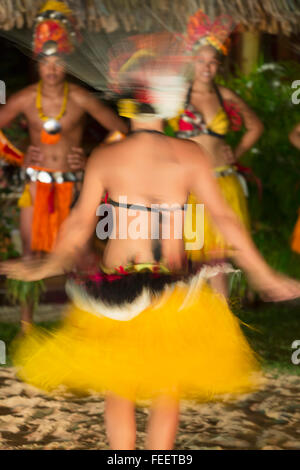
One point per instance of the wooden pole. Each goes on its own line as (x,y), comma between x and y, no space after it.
(249,50)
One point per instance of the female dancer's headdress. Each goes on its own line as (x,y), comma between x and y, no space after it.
(202,31)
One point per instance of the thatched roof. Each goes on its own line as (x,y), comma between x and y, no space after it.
(270,16)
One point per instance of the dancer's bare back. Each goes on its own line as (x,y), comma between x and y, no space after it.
(145,169)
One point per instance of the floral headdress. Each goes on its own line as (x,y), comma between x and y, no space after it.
(202,31)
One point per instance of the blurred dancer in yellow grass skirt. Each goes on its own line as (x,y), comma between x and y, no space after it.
(131,348)
(209,113)
(140,327)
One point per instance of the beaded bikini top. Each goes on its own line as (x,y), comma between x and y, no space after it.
(191,123)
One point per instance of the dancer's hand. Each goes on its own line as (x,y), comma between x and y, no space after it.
(114,136)
(276,287)
(33,156)
(31,269)
(228,154)
(76,159)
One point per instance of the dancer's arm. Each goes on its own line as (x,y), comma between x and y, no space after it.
(76,159)
(263,277)
(74,232)
(13,107)
(8,113)
(294,136)
(79,226)
(99,111)
(254,126)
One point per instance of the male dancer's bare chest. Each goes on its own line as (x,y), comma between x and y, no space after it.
(72,118)
(54,156)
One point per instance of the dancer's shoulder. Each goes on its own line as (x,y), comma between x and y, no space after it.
(187,148)
(79,94)
(190,155)
(106,151)
(25,96)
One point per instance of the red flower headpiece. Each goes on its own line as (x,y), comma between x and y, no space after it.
(201,30)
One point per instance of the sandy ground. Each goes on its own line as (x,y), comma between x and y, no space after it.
(268,419)
(44,313)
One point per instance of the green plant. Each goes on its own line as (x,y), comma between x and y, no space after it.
(8,221)
(22,292)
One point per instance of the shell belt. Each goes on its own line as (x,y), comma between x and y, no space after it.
(43,176)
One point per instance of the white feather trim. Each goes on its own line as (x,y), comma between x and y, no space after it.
(125,312)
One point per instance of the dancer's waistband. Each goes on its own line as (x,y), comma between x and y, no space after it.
(52,176)
(224,170)
(124,293)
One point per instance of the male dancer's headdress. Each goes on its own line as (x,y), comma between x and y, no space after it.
(55,30)
(55,34)
(202,31)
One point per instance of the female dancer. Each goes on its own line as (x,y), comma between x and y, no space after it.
(130,317)
(209,113)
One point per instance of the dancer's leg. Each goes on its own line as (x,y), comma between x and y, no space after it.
(163,422)
(26,217)
(120,422)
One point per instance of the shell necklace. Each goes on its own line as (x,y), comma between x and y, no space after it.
(51,132)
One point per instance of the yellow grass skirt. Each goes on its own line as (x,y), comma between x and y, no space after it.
(214,245)
(186,344)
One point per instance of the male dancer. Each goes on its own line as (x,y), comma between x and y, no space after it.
(55,111)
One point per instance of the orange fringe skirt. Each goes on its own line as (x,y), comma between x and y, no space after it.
(295,239)
(51,207)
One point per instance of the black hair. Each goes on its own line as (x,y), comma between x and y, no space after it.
(146,108)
